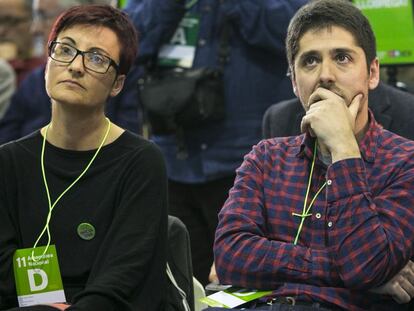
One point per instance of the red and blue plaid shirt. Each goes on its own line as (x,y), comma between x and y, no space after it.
(359,235)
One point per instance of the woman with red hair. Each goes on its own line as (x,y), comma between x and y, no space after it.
(82,185)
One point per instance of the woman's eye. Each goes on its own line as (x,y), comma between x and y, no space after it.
(66,50)
(97,58)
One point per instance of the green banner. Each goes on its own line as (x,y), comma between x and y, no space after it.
(393,25)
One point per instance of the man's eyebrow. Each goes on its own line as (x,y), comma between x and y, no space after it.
(92,49)
(306,54)
(343,51)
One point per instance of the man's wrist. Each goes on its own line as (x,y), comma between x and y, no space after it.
(349,151)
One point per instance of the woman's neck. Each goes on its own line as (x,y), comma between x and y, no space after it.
(79,131)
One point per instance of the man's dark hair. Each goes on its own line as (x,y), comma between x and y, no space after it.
(322,14)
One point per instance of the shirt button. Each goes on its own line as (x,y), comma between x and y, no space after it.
(330,224)
(318,215)
(203,146)
(329,182)
(202,42)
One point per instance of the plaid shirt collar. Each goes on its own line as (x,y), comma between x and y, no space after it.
(368,145)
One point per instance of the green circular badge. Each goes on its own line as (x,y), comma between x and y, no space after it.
(86,231)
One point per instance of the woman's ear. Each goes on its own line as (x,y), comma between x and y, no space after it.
(117,86)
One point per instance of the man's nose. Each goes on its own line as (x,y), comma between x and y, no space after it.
(327,71)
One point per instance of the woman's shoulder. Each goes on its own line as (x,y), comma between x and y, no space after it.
(137,145)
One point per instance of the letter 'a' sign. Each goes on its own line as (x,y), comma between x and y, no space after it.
(37,281)
(180,50)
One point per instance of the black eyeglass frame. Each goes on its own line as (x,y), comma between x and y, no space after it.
(82,53)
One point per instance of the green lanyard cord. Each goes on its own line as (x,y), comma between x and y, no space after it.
(305,211)
(190,4)
(52,206)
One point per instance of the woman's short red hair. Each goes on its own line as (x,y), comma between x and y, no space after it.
(106,16)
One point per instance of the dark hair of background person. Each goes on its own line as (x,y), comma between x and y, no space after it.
(106,16)
(322,14)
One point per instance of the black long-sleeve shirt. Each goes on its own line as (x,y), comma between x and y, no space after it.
(123,195)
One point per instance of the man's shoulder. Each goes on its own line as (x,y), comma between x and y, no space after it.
(390,100)
(392,141)
(281,144)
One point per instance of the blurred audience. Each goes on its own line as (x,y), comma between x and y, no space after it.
(254,78)
(14,29)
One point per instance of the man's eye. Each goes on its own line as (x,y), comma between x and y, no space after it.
(343,58)
(310,61)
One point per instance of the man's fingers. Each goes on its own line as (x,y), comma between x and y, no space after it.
(408,288)
(402,290)
(306,127)
(406,279)
(354,106)
(400,295)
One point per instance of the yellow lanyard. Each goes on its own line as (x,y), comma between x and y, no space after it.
(52,206)
(306,210)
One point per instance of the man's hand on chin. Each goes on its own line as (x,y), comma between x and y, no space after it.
(333,123)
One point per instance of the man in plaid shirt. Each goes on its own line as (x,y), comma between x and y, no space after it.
(325,218)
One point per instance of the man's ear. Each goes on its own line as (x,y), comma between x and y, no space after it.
(292,79)
(117,86)
(374,74)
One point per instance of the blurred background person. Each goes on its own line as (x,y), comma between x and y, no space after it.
(44,13)
(254,78)
(30,107)
(15,36)
(7,85)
